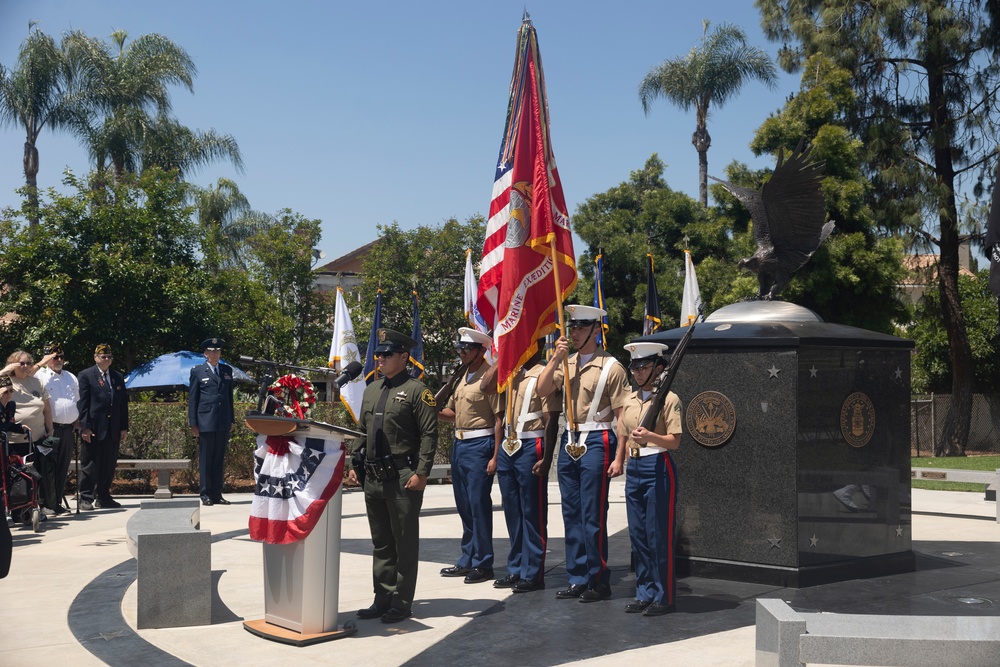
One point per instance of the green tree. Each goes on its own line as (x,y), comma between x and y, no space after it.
(925,74)
(853,279)
(430,260)
(127,124)
(712,72)
(118,269)
(33,95)
(227,223)
(644,215)
(282,262)
(931,363)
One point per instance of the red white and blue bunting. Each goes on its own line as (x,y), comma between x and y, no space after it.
(295,478)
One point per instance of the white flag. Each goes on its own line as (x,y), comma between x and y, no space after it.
(692,295)
(472,315)
(344,350)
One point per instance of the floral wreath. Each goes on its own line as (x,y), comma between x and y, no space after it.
(296,394)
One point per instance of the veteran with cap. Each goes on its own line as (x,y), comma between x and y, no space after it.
(398,421)
(473,457)
(598,386)
(63,389)
(103,407)
(211,418)
(650,482)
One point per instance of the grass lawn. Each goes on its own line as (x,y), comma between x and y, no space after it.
(989,463)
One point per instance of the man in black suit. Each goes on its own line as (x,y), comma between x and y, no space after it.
(103,410)
(211,418)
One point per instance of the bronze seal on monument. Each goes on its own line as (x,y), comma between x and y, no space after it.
(710,418)
(857,419)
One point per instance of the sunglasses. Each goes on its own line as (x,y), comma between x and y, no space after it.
(384,354)
(58,357)
(24,363)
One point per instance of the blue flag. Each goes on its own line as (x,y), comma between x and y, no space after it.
(417,354)
(371,368)
(599,301)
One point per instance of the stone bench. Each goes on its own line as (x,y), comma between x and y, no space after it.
(163,468)
(174,564)
(787,638)
(974,476)
(439,473)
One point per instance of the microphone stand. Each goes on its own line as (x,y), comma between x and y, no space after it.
(270,373)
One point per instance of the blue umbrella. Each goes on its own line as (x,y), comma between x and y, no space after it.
(170,372)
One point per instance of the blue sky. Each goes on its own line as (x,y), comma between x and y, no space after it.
(364,113)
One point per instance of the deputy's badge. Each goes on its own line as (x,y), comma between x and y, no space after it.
(511,445)
(428,398)
(576,450)
(400,397)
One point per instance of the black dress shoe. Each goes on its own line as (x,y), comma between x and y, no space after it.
(574,591)
(659,609)
(395,614)
(478,575)
(454,571)
(637,607)
(506,582)
(207,502)
(222,501)
(599,592)
(373,611)
(110,503)
(525,586)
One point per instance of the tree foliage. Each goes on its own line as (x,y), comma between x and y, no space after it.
(925,74)
(711,73)
(430,260)
(931,363)
(116,267)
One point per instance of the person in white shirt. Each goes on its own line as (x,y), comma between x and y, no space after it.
(64,392)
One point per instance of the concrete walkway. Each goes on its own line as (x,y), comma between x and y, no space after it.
(70,596)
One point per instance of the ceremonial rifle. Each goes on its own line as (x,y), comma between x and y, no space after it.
(661,386)
(448,388)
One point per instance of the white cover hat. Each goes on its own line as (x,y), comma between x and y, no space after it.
(645,350)
(467,335)
(585,313)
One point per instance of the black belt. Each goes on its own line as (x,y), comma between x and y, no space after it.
(70,425)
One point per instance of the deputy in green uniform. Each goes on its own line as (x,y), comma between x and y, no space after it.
(399,422)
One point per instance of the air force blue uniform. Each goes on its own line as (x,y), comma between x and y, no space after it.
(210,408)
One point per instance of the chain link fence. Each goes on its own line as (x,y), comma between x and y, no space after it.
(927,413)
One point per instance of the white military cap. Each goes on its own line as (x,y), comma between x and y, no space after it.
(585,313)
(645,350)
(467,335)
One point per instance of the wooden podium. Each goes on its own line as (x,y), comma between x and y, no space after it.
(302,579)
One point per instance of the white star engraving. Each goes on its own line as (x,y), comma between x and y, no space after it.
(773,370)
(775,542)
(813,541)
(898,373)
(813,371)
(899,531)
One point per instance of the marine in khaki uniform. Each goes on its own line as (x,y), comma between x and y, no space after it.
(396,453)
(651,482)
(598,387)
(473,457)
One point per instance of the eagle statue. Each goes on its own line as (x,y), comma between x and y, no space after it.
(788,220)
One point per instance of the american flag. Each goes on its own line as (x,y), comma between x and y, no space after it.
(295,479)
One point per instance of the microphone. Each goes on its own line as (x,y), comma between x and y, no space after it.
(352,371)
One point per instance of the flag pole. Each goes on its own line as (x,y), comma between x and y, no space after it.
(570,419)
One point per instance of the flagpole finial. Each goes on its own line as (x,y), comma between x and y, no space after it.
(526,17)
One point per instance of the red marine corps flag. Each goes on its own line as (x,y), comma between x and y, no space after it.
(528,262)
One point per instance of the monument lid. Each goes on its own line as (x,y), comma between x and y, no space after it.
(774,324)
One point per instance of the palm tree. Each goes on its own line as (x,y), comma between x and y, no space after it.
(227,223)
(129,127)
(34,94)
(711,72)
